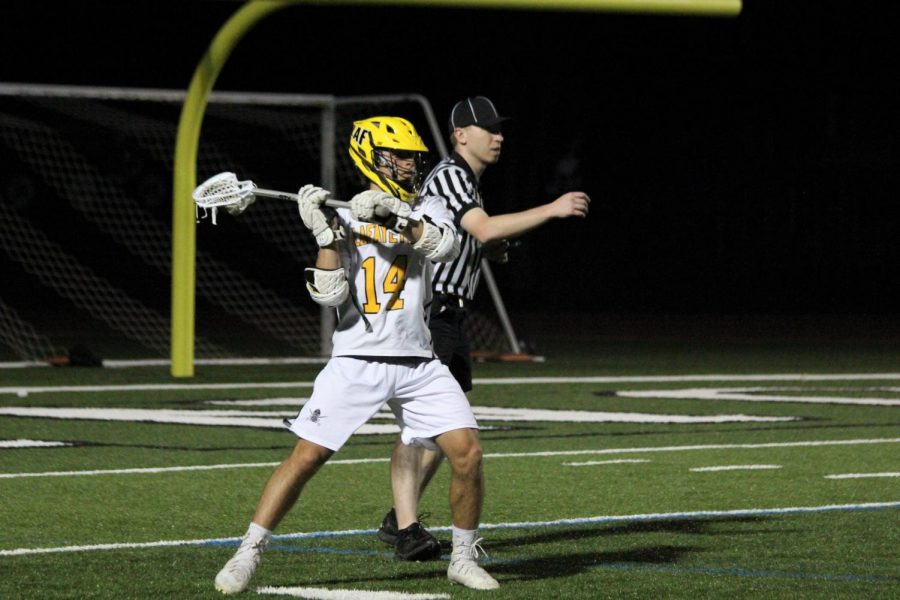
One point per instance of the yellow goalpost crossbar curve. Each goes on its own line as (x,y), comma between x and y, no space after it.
(188,137)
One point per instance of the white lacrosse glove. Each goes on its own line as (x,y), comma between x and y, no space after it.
(241,205)
(314,195)
(377,206)
(309,203)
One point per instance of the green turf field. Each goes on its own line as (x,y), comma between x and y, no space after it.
(782,481)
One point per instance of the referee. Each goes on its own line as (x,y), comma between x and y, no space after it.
(477,139)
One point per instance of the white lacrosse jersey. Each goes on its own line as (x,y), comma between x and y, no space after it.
(386,313)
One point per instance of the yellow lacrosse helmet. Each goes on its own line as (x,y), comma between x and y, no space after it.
(371,137)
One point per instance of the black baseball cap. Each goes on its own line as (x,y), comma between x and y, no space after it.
(476,110)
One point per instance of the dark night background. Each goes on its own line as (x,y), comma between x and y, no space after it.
(738,166)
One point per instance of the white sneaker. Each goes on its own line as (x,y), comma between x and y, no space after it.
(235,575)
(463,568)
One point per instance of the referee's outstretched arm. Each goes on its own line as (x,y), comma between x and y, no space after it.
(486,228)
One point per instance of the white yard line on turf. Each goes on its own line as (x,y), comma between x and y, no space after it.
(24,389)
(807,444)
(811,443)
(326,594)
(621,461)
(677,378)
(31,444)
(598,520)
(152,387)
(861,475)
(162,362)
(741,512)
(752,395)
(734,468)
(492,413)
(272,420)
(151,470)
(218,418)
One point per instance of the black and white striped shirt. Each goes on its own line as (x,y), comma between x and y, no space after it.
(454,182)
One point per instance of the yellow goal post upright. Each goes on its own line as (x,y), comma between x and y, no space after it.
(211,64)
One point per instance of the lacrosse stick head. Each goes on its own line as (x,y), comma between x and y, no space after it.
(222,190)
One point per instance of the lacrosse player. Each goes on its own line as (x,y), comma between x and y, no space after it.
(374,265)
(477,139)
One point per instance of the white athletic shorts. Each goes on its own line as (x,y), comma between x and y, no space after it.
(425,398)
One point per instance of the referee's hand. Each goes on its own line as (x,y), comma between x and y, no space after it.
(571,204)
(496,251)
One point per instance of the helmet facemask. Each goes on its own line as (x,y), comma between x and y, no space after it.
(399,170)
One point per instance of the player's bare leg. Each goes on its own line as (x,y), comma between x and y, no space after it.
(428,466)
(287,481)
(412,467)
(464,453)
(278,496)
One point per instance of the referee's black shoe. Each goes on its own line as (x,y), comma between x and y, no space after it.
(387,533)
(412,547)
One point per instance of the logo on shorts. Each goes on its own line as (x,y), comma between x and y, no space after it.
(316,417)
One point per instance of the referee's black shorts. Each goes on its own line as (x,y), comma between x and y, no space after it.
(448,334)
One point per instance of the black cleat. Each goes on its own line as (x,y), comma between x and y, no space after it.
(388,533)
(415,543)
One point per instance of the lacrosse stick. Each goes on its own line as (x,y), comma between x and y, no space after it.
(224,190)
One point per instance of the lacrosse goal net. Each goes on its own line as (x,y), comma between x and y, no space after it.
(85,221)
